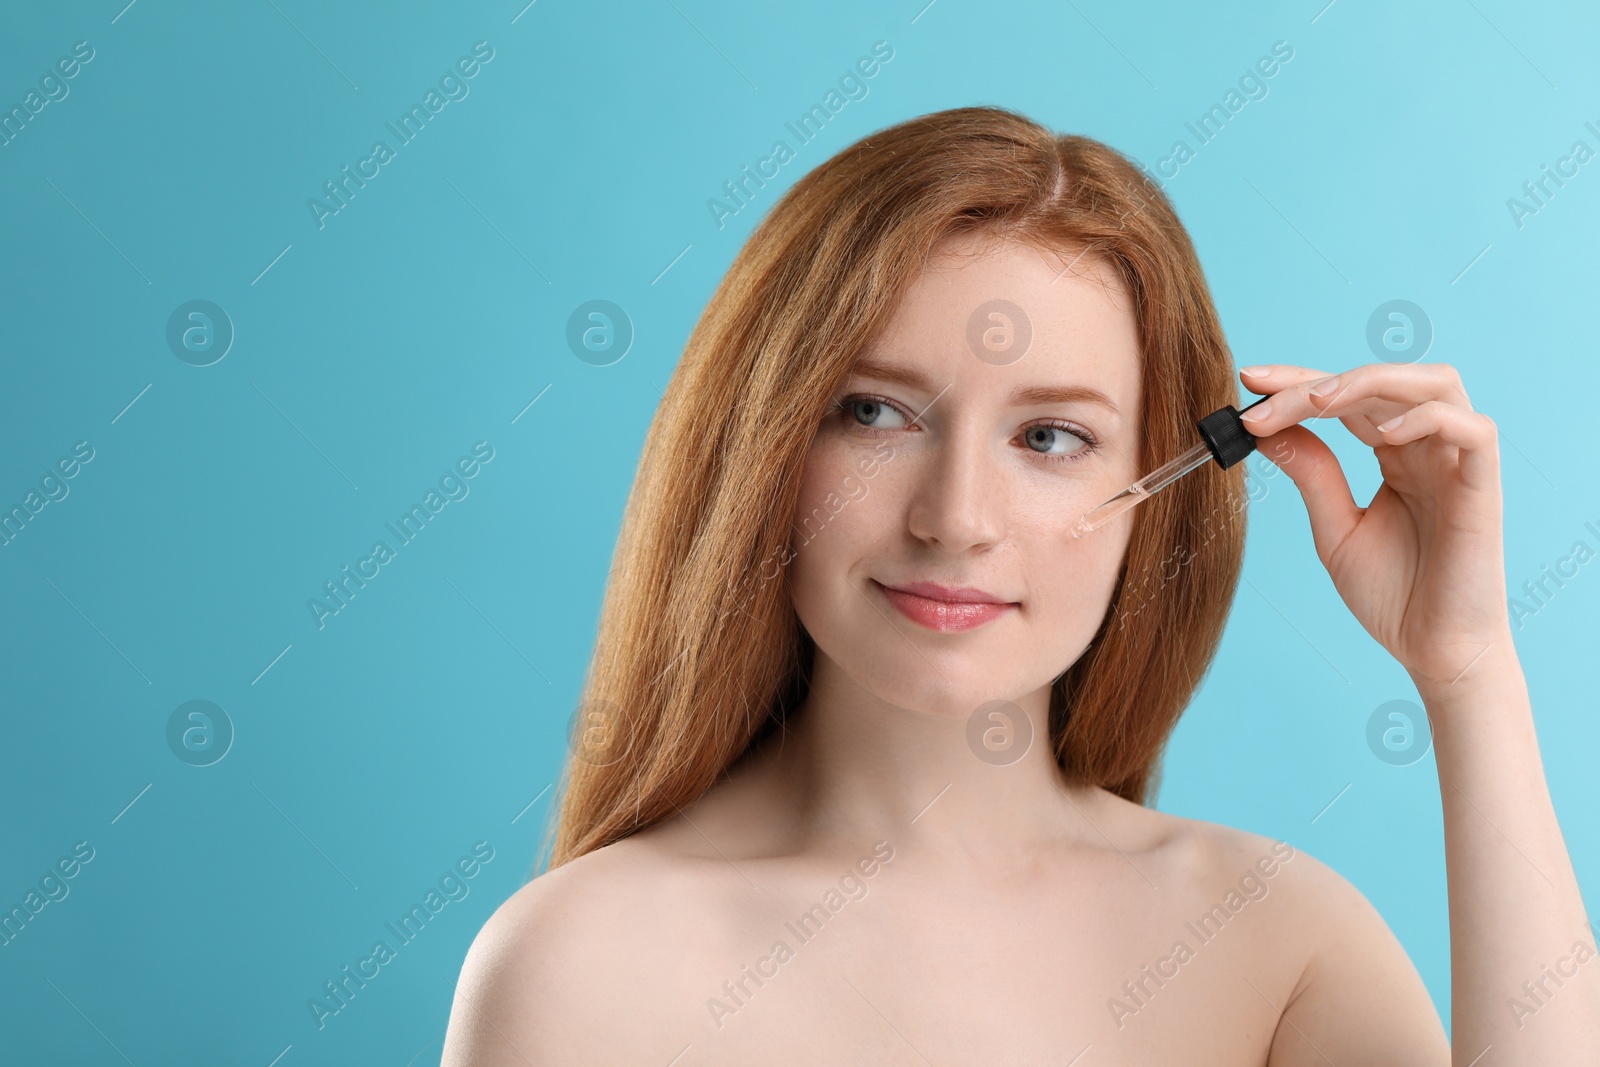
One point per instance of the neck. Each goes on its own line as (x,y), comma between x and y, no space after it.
(860,768)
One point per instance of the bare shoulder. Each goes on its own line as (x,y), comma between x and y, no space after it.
(542,980)
(1315,899)
(1356,968)
(1336,957)
(1203,856)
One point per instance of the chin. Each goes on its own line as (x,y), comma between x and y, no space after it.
(937,682)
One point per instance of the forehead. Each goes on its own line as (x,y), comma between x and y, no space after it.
(1067,313)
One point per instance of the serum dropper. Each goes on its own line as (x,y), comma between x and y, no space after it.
(1222,438)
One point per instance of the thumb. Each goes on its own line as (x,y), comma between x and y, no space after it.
(1316,472)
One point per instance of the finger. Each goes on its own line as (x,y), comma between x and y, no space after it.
(1316,472)
(1405,384)
(1279,376)
(1472,432)
(1378,391)
(1368,396)
(1274,376)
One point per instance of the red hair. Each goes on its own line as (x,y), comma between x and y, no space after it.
(666,709)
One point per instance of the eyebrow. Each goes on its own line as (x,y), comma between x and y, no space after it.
(868,367)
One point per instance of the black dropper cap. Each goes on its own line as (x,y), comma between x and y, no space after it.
(1226,436)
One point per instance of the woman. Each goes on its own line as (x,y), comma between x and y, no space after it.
(864,750)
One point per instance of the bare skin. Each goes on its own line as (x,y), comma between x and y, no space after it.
(977,912)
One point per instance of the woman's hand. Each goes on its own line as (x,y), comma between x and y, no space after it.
(1421,566)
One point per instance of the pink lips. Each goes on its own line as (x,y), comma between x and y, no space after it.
(944,609)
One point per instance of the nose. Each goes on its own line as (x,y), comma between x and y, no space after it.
(960,498)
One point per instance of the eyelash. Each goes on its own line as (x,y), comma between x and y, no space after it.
(1091,442)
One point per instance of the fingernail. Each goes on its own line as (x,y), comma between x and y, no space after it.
(1326,386)
(1258,411)
(1256,372)
(1391,424)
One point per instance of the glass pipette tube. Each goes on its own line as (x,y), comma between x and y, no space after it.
(1157,479)
(1223,438)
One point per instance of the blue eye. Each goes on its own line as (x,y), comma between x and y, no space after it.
(1041,436)
(866,409)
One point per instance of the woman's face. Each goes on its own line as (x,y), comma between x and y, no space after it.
(1001,403)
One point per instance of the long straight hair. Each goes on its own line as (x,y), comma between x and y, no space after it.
(699,652)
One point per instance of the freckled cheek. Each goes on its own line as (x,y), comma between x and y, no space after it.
(843,517)
(1070,580)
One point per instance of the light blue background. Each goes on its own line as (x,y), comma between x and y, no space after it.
(429,312)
